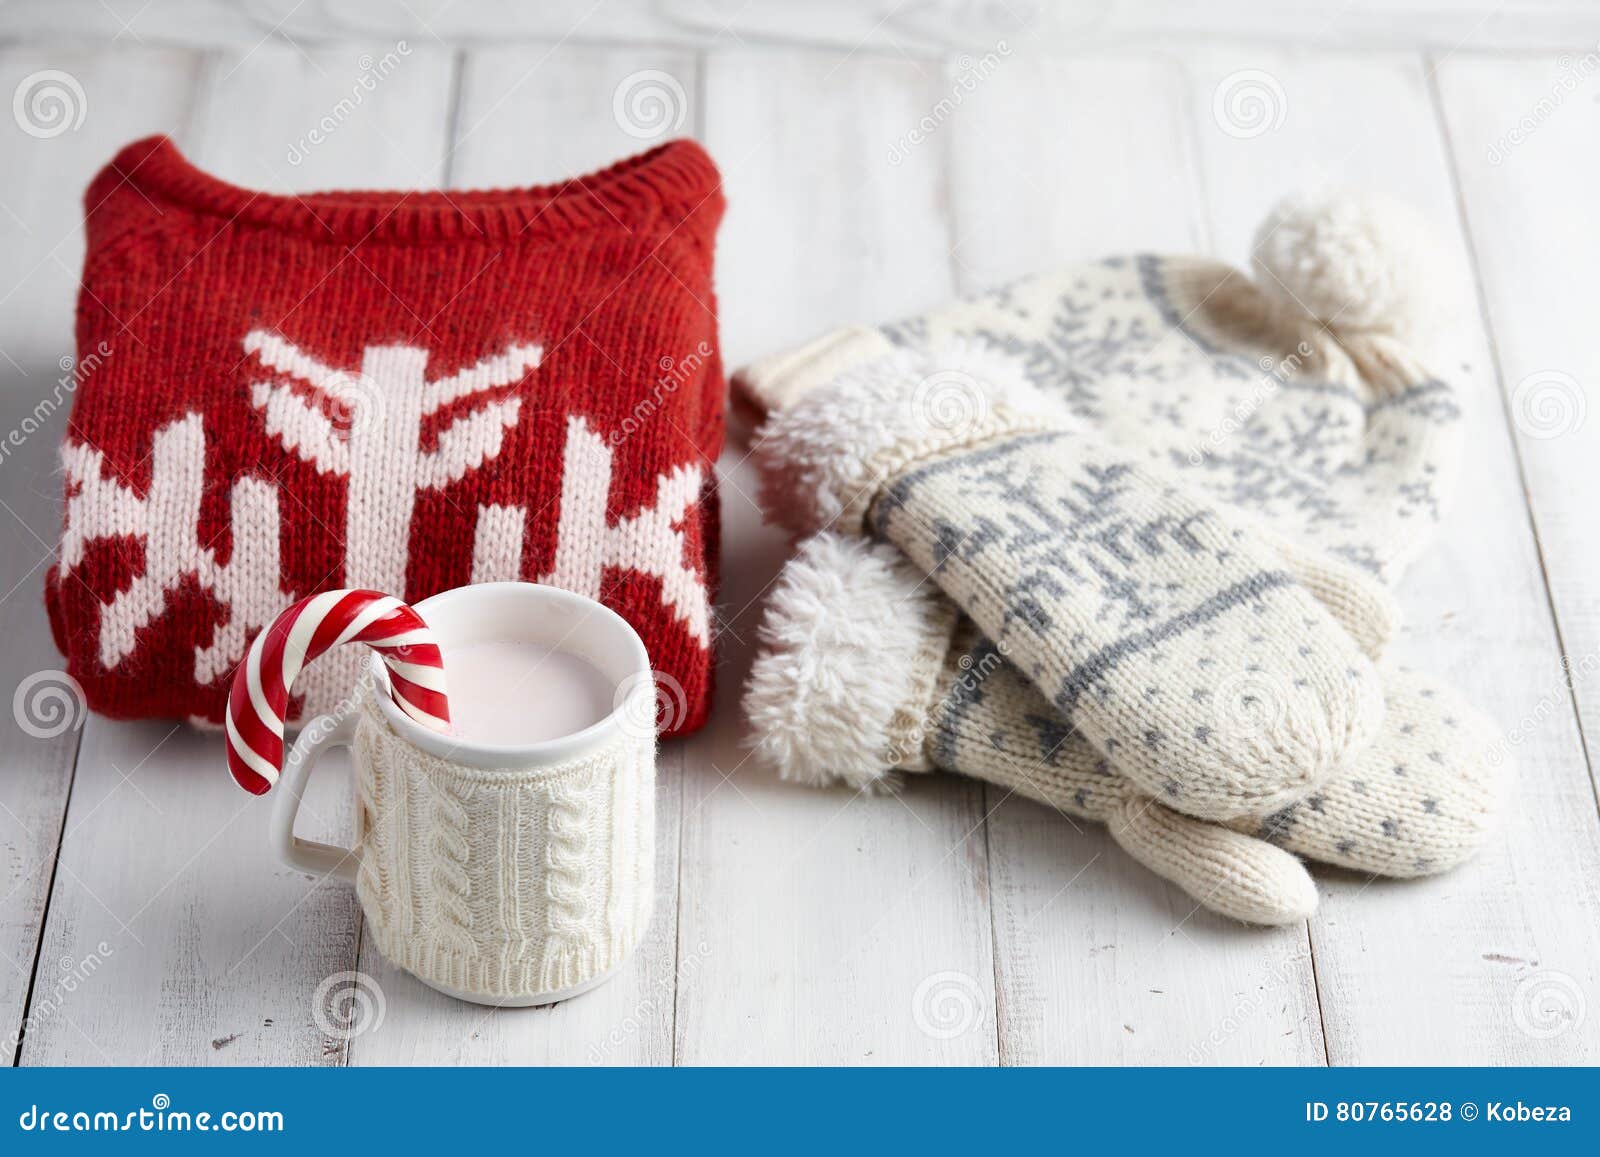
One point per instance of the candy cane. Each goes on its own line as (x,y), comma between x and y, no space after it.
(259,699)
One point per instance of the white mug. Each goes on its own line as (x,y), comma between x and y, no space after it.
(508,875)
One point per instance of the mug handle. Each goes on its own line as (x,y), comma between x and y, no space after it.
(318,737)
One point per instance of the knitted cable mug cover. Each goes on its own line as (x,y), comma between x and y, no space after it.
(405,392)
(497,869)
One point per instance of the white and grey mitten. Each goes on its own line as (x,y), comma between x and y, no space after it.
(1152,619)
(1301,396)
(864,670)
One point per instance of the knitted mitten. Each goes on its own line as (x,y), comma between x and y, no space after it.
(1294,396)
(866,669)
(1163,628)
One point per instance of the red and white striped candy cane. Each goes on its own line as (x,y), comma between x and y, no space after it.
(259,700)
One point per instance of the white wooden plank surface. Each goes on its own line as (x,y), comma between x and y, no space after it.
(1524,197)
(1098,960)
(1041,169)
(219,949)
(888,26)
(505,135)
(1429,972)
(382,109)
(826,914)
(1536,248)
(41,237)
(802,926)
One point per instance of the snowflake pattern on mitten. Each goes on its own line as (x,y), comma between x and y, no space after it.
(1139,349)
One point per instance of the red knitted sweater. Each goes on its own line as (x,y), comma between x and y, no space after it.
(405,391)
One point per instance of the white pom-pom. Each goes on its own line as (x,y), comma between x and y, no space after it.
(845,631)
(1357,262)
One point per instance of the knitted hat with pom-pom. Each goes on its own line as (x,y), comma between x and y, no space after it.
(1299,396)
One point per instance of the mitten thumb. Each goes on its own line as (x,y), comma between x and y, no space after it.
(1357,601)
(1228,872)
